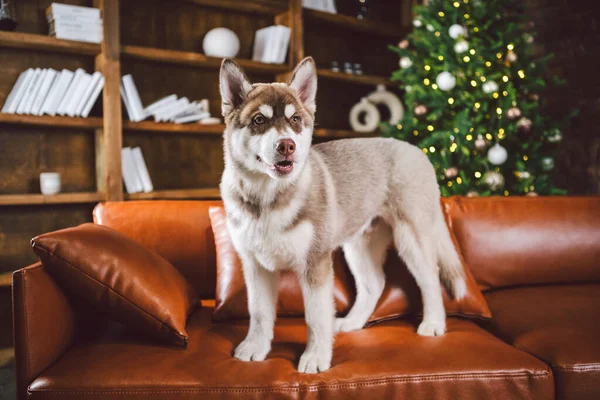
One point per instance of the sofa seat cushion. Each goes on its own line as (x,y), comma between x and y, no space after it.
(387,360)
(560,325)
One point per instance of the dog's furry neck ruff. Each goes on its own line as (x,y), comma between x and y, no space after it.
(256,191)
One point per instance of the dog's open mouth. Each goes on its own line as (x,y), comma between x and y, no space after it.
(284,167)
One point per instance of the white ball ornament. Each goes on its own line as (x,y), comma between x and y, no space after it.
(405,62)
(430,28)
(417,23)
(494,180)
(370,117)
(445,81)
(461,47)
(221,42)
(489,87)
(455,31)
(497,154)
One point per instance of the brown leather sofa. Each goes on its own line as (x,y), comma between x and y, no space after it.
(537,260)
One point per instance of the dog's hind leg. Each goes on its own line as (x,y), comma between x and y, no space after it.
(418,252)
(365,255)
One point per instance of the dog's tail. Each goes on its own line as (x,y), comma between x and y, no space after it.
(452,273)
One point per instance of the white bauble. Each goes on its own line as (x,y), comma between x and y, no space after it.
(455,31)
(417,23)
(390,100)
(489,87)
(221,42)
(430,28)
(497,154)
(408,89)
(445,81)
(547,163)
(494,180)
(461,47)
(370,120)
(405,62)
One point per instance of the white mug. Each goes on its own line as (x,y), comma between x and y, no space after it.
(50,183)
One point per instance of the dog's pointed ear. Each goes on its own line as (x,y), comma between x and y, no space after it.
(304,82)
(234,86)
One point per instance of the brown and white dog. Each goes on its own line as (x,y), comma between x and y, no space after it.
(290,205)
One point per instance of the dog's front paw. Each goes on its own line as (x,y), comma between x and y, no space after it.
(348,325)
(253,349)
(432,328)
(312,362)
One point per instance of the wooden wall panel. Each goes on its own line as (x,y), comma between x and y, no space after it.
(18,224)
(28,151)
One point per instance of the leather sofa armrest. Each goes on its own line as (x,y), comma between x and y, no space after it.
(44,323)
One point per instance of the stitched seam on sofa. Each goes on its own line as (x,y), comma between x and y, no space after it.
(113,291)
(27,364)
(578,367)
(302,388)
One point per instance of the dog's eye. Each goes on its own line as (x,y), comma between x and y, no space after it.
(259,120)
(295,119)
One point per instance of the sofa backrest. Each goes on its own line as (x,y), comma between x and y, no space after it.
(510,241)
(179,231)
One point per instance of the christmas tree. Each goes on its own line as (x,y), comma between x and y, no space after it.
(473,94)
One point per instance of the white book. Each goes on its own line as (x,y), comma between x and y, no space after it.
(166,110)
(181,105)
(36,90)
(133,183)
(142,170)
(77,94)
(160,103)
(126,102)
(29,92)
(47,83)
(259,44)
(191,108)
(78,36)
(17,92)
(72,18)
(70,92)
(91,26)
(87,92)
(285,33)
(133,97)
(62,84)
(205,105)
(91,31)
(93,97)
(191,118)
(272,45)
(66,9)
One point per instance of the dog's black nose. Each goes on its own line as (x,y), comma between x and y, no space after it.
(286,147)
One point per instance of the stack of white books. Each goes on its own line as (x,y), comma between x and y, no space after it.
(135,173)
(320,5)
(271,44)
(168,109)
(83,24)
(47,91)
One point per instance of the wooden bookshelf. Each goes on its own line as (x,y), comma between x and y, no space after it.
(208,193)
(253,7)
(6,279)
(195,59)
(45,120)
(368,26)
(340,133)
(192,128)
(30,41)
(62,198)
(357,79)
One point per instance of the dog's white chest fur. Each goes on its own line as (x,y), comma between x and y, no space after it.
(273,246)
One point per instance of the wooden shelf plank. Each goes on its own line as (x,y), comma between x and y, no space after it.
(254,7)
(196,59)
(7,356)
(6,279)
(192,128)
(207,193)
(30,41)
(377,28)
(341,134)
(358,79)
(45,120)
(62,198)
